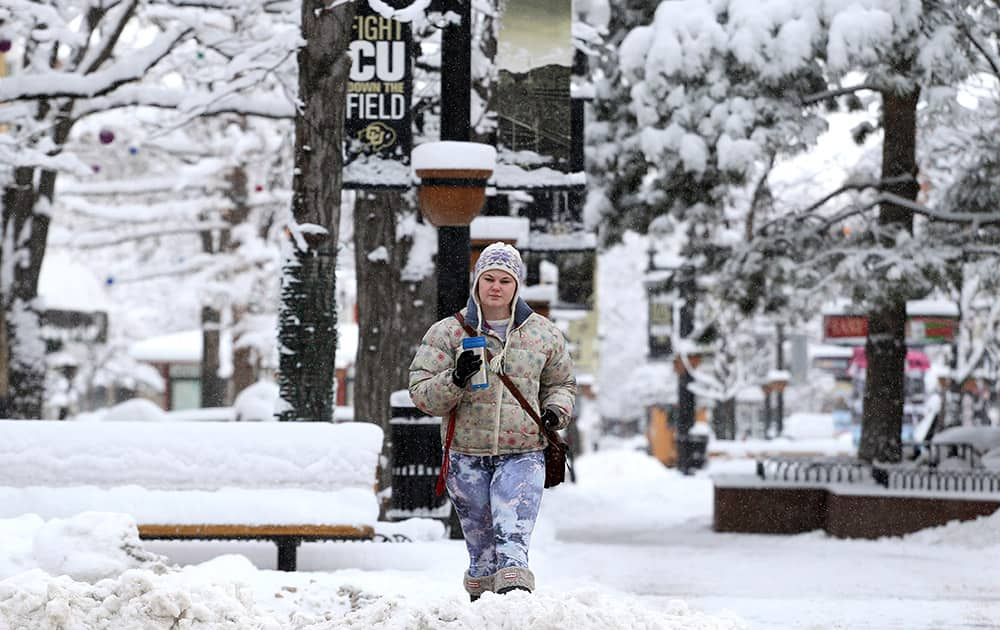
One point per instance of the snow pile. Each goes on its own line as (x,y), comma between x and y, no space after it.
(256,403)
(269,506)
(189,455)
(979,533)
(134,409)
(581,610)
(89,546)
(411,529)
(192,472)
(138,598)
(983,439)
(91,572)
(198,598)
(645,494)
(802,425)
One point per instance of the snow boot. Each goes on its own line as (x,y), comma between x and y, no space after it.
(513,578)
(476,586)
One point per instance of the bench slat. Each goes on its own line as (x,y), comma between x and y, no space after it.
(363,532)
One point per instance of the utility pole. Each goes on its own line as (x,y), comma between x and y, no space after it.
(456,109)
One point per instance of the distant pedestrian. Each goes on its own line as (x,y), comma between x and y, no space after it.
(495,465)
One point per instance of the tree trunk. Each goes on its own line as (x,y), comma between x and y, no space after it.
(885,347)
(244,371)
(24,236)
(724,420)
(393,314)
(307,316)
(213,388)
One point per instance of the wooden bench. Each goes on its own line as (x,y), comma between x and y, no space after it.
(282,482)
(286,537)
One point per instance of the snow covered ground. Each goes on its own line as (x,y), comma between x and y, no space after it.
(629,546)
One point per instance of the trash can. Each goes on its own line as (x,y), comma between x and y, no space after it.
(415,448)
(692,452)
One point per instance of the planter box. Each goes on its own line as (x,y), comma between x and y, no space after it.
(746,504)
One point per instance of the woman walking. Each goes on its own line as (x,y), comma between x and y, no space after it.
(495,463)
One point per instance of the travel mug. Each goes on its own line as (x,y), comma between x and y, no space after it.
(477,345)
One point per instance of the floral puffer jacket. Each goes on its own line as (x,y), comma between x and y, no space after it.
(490,421)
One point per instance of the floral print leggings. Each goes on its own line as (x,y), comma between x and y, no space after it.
(496,498)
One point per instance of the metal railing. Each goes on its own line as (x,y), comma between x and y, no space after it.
(925,475)
(817,469)
(972,480)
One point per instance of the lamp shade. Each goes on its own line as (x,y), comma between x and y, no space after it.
(453,178)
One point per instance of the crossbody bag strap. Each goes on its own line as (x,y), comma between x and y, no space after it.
(443,474)
(511,387)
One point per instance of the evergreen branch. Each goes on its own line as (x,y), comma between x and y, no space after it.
(806,213)
(760,190)
(993,62)
(822,96)
(976,219)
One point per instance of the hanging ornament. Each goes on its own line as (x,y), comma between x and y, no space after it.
(109,280)
(106,136)
(5,45)
(96,168)
(258,188)
(200,55)
(132,150)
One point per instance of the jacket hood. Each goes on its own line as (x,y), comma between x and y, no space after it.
(521,312)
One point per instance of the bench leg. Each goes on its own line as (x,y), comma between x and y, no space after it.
(287,550)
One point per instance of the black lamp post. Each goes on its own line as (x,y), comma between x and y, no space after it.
(685,280)
(456,109)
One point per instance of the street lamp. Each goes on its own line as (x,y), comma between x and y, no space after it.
(456,111)
(453,178)
(775,382)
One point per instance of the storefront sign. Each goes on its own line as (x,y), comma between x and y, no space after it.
(379,88)
(920,329)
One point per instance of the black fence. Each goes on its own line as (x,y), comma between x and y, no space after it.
(814,469)
(923,478)
(923,471)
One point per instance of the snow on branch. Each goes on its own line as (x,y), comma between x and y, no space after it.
(261,106)
(206,265)
(93,57)
(96,241)
(47,85)
(145,212)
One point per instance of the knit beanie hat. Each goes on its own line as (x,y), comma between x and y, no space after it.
(503,257)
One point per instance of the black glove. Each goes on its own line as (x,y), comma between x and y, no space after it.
(550,419)
(468,364)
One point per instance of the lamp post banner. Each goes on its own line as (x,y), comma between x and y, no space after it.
(531,97)
(379,89)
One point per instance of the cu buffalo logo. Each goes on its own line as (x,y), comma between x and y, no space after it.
(378,136)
